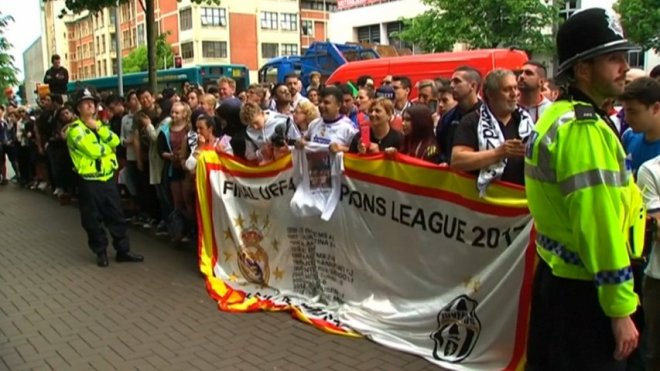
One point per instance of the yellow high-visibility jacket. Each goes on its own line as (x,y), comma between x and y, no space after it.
(588,212)
(93,154)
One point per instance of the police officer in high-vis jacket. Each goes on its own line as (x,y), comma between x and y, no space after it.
(588,212)
(92,148)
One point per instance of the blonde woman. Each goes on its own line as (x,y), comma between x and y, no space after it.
(304,114)
(170,140)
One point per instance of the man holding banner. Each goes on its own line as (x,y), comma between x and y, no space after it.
(588,212)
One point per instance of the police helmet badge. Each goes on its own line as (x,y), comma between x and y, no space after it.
(613,22)
(458,330)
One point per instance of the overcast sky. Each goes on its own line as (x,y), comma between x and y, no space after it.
(26,28)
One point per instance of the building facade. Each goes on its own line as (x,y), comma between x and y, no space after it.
(34,68)
(372,21)
(245,32)
(314,18)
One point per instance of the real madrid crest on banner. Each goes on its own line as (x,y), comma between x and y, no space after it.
(458,330)
(251,258)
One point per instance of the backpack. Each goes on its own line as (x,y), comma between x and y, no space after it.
(177,225)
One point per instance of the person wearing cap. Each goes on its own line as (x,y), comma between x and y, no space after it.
(588,212)
(387,91)
(92,149)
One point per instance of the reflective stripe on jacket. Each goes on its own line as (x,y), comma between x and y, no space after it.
(588,211)
(93,155)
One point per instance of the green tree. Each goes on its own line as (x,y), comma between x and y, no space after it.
(524,24)
(138,61)
(641,21)
(8,71)
(94,6)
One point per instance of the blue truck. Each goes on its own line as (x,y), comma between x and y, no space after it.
(322,57)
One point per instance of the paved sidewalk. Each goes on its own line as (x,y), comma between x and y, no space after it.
(59,311)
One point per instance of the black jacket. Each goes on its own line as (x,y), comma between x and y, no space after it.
(57,79)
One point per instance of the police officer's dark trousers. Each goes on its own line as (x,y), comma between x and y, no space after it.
(568,329)
(100,205)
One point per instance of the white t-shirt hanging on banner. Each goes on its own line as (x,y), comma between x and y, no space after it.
(317,174)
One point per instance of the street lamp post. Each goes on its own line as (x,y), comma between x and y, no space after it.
(120,72)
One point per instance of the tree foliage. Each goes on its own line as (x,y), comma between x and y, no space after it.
(8,70)
(137,60)
(479,24)
(641,21)
(95,6)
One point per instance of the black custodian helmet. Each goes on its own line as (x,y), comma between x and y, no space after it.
(587,34)
(85,93)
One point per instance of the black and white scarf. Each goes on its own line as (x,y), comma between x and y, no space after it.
(491,137)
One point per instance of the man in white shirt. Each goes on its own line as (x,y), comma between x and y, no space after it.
(648,179)
(530,84)
(332,128)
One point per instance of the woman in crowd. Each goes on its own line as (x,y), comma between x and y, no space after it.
(313,96)
(232,137)
(381,135)
(206,140)
(63,167)
(304,114)
(24,137)
(364,98)
(419,138)
(192,98)
(170,140)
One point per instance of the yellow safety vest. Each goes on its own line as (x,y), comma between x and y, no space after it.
(93,154)
(588,212)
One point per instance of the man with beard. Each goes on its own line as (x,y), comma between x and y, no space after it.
(465,85)
(490,140)
(587,210)
(530,84)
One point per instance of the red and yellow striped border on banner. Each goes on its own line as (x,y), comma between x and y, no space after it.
(399,172)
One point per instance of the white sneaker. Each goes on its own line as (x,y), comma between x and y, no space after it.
(42,186)
(58,192)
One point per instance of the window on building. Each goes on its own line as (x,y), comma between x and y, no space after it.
(369,34)
(187,50)
(133,37)
(141,39)
(307,27)
(101,20)
(98,42)
(289,21)
(125,12)
(113,42)
(393,29)
(98,68)
(102,46)
(113,15)
(569,7)
(636,59)
(114,66)
(289,49)
(269,20)
(185,19)
(269,50)
(214,17)
(85,51)
(125,39)
(105,67)
(214,49)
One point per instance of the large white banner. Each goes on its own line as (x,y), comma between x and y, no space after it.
(410,258)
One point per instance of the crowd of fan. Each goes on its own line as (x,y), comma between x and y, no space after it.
(162,135)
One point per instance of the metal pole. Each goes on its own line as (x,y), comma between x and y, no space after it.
(326,20)
(120,72)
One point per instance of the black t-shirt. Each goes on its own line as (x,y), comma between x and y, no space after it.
(467,135)
(393,138)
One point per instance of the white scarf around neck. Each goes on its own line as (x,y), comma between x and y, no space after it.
(491,136)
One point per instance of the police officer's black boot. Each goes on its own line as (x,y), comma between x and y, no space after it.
(102,259)
(129,257)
